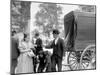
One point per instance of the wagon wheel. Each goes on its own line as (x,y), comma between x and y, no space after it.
(73,61)
(88,57)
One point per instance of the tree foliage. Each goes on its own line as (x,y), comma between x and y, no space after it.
(20,14)
(48,16)
(87,8)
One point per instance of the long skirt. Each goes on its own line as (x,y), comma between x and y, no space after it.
(25,64)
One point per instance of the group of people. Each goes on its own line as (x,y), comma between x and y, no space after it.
(33,59)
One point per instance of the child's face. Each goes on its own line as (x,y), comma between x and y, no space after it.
(41,55)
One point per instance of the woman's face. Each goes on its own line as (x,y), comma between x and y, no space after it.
(27,39)
(20,36)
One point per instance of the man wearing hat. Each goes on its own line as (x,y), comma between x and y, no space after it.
(58,51)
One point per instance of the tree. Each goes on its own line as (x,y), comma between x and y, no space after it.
(87,8)
(48,16)
(20,14)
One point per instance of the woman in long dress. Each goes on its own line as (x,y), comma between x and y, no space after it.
(25,62)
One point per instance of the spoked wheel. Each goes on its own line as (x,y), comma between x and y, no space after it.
(74,60)
(88,60)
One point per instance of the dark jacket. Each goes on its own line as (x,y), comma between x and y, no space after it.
(14,49)
(39,46)
(58,49)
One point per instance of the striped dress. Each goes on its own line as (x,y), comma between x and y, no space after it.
(25,62)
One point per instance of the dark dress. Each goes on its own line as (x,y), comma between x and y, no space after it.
(14,54)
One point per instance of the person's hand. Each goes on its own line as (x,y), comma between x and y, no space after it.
(44,70)
(35,45)
(44,45)
(35,56)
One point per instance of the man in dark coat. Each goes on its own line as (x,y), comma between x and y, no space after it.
(58,51)
(14,52)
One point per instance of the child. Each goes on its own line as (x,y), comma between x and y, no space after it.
(47,61)
(41,62)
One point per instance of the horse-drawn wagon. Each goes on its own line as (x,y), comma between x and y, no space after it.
(80,40)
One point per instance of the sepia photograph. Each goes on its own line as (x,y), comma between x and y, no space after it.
(51,37)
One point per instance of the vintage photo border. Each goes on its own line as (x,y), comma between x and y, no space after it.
(62,4)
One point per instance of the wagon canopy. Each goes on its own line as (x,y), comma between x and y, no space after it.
(80,23)
(70,26)
(86,29)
